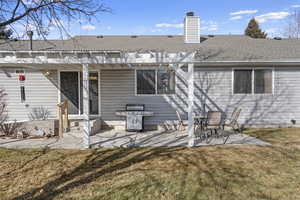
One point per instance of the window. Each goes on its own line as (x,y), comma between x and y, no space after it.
(263,81)
(146,82)
(257,81)
(243,81)
(151,82)
(165,82)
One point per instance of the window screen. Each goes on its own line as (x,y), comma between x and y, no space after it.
(242,81)
(263,81)
(146,83)
(165,82)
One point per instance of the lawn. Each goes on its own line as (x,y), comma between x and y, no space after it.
(216,173)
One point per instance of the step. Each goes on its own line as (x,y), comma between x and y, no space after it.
(77,126)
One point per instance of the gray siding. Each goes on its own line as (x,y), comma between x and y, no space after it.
(213,88)
(118,89)
(40,91)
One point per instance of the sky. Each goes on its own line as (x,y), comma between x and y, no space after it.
(160,17)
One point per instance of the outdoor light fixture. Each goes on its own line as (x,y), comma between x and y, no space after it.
(47,73)
(93,78)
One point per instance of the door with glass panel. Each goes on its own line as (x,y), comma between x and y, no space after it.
(72,90)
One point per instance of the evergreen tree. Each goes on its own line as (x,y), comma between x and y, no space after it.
(5,34)
(253,30)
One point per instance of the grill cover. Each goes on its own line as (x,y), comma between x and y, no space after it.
(134,122)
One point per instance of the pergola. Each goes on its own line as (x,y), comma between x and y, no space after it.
(86,58)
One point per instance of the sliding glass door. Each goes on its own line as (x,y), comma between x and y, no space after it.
(71,90)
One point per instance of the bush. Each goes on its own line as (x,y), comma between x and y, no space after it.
(39,113)
(9,129)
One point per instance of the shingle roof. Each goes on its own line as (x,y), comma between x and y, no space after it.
(217,48)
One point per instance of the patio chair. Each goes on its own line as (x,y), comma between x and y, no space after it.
(213,122)
(180,125)
(232,122)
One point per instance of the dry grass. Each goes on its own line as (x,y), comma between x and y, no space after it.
(241,172)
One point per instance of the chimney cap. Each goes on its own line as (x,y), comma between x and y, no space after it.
(190,14)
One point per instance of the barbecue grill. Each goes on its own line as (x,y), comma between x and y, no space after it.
(134,114)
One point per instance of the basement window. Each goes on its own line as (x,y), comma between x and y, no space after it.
(155,82)
(253,81)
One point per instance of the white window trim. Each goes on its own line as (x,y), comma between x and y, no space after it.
(156,94)
(253,69)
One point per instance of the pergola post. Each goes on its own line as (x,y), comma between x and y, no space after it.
(86,105)
(190,80)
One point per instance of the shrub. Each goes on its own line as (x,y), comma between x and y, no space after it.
(9,129)
(39,113)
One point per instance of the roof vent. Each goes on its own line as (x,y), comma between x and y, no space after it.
(211,36)
(170,36)
(100,36)
(134,36)
(277,38)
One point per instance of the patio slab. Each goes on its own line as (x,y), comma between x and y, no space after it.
(113,138)
(165,139)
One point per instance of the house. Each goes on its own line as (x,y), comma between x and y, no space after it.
(168,73)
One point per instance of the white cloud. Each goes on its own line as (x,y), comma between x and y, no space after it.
(213,27)
(88,27)
(295,6)
(272,16)
(244,12)
(209,25)
(166,25)
(238,17)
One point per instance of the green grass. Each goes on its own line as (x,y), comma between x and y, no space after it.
(223,172)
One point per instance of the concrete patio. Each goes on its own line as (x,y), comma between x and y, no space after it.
(113,138)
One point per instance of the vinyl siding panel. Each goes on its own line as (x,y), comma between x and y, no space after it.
(40,91)
(213,88)
(260,109)
(118,89)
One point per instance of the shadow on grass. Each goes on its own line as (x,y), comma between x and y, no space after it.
(219,180)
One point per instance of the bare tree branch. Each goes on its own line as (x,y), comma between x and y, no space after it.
(293,28)
(42,15)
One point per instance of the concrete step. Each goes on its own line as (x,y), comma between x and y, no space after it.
(77,125)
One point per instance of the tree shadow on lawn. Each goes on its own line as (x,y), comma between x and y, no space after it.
(211,171)
(42,153)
